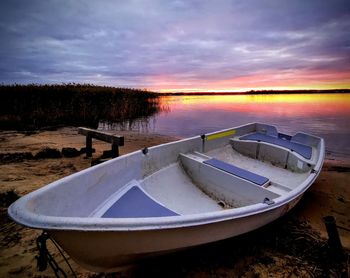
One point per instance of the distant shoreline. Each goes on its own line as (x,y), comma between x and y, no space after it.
(262,92)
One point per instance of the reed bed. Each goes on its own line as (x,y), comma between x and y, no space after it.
(28,107)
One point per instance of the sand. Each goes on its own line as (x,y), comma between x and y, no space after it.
(276,250)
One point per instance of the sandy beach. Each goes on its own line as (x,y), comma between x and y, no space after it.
(294,246)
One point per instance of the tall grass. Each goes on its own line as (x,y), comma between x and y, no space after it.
(39,106)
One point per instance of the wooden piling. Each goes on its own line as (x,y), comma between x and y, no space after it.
(333,236)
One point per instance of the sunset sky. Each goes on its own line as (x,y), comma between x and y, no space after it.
(177,45)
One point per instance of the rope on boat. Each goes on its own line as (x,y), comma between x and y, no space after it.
(46,258)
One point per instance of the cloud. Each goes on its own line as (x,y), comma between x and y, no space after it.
(138,43)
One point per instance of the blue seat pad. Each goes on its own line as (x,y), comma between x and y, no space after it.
(303,150)
(136,204)
(239,172)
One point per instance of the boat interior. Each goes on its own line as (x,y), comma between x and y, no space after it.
(246,170)
(231,169)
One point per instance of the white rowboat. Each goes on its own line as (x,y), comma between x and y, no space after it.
(175,195)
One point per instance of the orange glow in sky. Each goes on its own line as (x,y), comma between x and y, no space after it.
(286,80)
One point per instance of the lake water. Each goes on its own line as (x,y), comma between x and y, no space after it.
(325,115)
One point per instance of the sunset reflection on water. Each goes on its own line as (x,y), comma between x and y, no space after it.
(293,104)
(324,115)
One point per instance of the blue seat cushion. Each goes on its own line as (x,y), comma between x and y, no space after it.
(239,172)
(136,204)
(303,150)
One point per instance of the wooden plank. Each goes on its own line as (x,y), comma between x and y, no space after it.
(103,136)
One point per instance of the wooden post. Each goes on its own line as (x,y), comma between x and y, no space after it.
(115,150)
(116,142)
(88,145)
(333,236)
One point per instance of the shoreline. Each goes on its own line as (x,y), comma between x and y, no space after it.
(329,195)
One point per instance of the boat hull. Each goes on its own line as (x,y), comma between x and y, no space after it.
(109,251)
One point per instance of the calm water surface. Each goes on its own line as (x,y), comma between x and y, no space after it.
(325,115)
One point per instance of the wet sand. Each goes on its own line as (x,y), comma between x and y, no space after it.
(293,246)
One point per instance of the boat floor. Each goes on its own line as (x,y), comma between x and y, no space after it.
(277,175)
(172,187)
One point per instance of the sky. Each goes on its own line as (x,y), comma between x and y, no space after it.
(173,46)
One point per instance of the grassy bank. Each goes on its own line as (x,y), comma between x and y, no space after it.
(40,106)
